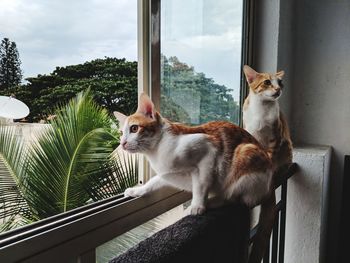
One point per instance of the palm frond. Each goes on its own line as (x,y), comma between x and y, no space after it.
(78,143)
(119,173)
(15,221)
(13,206)
(69,164)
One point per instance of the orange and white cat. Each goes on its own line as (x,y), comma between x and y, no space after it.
(262,116)
(263,119)
(216,158)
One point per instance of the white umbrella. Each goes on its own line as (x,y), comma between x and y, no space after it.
(11,108)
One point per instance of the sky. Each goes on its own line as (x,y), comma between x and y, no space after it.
(51,33)
(205,34)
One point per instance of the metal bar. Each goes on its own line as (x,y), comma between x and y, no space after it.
(88,257)
(267,254)
(282,176)
(283,221)
(279,206)
(284,173)
(275,239)
(278,234)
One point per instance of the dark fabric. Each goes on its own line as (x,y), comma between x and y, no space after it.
(220,235)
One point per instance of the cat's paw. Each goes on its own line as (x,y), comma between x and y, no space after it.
(197,209)
(134,191)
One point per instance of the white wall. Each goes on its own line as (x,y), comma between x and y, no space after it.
(306,195)
(266,27)
(313,47)
(321,89)
(273,43)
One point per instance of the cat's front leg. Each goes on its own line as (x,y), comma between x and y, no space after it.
(154,183)
(199,195)
(175,179)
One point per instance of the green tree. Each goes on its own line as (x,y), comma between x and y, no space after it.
(186,91)
(10,64)
(112,81)
(71,163)
(113,84)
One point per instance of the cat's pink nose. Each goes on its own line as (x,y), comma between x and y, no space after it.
(123,143)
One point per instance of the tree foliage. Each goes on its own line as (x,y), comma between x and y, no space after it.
(191,97)
(112,81)
(186,95)
(10,65)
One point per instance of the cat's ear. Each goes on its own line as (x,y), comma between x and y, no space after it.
(250,73)
(146,106)
(121,118)
(280,74)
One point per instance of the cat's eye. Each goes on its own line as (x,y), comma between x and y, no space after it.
(267,82)
(134,128)
(280,83)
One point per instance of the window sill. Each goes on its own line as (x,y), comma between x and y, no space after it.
(73,234)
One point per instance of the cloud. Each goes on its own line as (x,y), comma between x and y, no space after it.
(218,56)
(229,40)
(206,35)
(60,33)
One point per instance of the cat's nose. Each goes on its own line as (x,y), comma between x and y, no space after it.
(123,143)
(277,91)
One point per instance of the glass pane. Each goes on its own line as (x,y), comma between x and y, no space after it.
(122,243)
(201,60)
(57,158)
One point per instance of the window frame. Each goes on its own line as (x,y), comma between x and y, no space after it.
(247,55)
(73,236)
(155,50)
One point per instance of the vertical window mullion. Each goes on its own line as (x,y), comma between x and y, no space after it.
(144,69)
(155,52)
(247,48)
(148,62)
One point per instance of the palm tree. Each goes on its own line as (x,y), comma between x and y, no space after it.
(69,165)
(13,206)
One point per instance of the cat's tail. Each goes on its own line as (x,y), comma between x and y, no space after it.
(266,220)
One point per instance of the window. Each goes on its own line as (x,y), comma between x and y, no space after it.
(200,60)
(192,75)
(187,80)
(63,48)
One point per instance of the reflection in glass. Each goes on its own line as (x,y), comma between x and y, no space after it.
(122,243)
(201,60)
